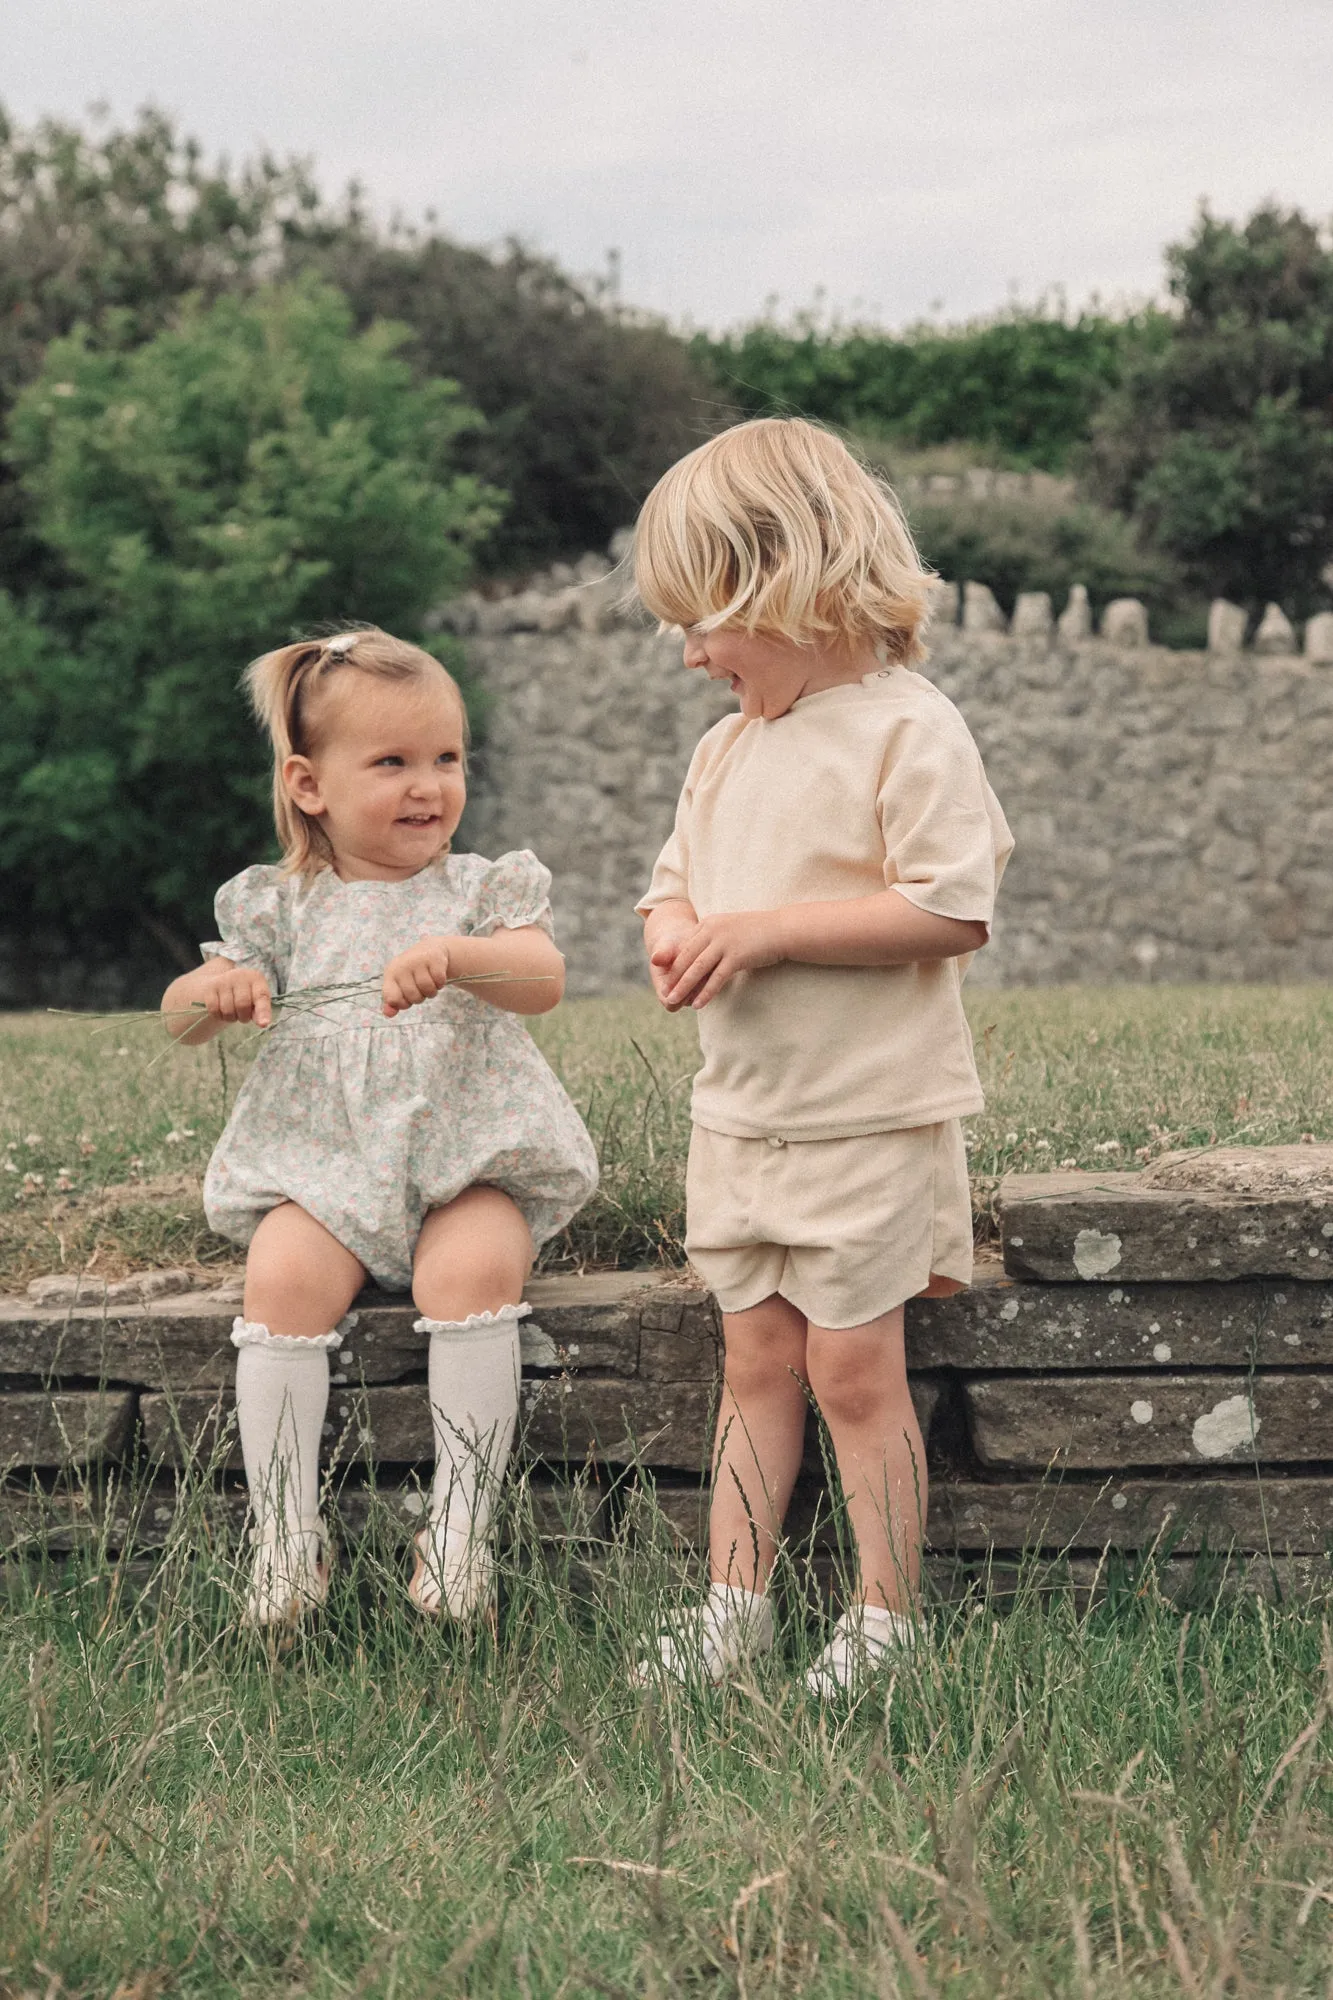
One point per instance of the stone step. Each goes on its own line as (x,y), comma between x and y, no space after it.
(570,1420)
(1114,1228)
(663,1328)
(1109,1422)
(63,1427)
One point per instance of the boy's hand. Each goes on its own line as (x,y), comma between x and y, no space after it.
(238,994)
(719,948)
(416,975)
(662,962)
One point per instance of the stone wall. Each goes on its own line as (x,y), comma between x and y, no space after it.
(1173,811)
(1150,1368)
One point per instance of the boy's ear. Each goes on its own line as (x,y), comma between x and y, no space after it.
(302,786)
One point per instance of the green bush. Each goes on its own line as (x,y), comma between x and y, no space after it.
(1220,436)
(1041,542)
(585,406)
(253,471)
(1023,384)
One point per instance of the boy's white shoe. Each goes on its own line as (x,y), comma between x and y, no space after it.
(865,1639)
(710,1640)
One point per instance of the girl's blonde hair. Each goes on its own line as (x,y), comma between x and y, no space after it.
(774,526)
(286,690)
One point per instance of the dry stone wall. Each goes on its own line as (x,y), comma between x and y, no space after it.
(1173,810)
(1150,1367)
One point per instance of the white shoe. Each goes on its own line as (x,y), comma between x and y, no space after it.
(711,1640)
(866,1639)
(454,1577)
(290,1575)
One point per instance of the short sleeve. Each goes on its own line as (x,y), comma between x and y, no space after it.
(945,838)
(514,892)
(671,870)
(251,919)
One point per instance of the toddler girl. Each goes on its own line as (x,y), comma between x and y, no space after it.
(835,859)
(410,1132)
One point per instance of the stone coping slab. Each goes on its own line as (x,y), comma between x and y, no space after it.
(1112,1421)
(1121,1228)
(663,1327)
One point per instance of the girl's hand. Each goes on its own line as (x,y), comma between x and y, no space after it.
(238,993)
(416,975)
(719,948)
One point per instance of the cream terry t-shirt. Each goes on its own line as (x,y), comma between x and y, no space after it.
(856,789)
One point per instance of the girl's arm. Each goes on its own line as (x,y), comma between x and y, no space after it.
(537,985)
(230,993)
(883,929)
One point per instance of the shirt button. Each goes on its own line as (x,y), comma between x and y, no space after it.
(777,1142)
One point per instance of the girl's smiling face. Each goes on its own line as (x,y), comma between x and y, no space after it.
(768,673)
(386,781)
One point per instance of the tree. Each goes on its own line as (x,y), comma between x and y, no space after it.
(257,470)
(585,406)
(1220,436)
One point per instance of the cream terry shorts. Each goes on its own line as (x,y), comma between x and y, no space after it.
(846,1229)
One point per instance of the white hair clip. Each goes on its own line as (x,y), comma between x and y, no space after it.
(339,648)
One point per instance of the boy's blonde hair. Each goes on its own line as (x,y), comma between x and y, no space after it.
(286,689)
(774,526)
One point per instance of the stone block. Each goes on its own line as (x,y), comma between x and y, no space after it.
(1319,638)
(680,1337)
(1075,621)
(942,599)
(1288,1514)
(1276,634)
(1112,1421)
(1125,622)
(1033,617)
(1003,1324)
(576,1421)
(65,1427)
(1117,1228)
(981,613)
(1226,626)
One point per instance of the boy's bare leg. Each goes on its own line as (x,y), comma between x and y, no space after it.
(760,1437)
(859,1379)
(299,1280)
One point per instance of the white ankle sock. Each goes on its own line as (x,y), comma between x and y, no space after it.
(473,1373)
(282,1394)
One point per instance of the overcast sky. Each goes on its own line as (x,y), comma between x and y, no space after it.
(902,160)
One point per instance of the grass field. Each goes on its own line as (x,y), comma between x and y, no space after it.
(105,1129)
(1051,1797)
(1054,1802)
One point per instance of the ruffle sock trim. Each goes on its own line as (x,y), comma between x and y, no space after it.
(485,1322)
(254,1333)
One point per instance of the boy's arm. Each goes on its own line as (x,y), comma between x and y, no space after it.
(665,929)
(883,929)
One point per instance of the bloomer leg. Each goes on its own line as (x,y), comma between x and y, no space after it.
(472,1262)
(299,1283)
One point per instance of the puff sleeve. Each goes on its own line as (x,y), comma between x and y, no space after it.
(945,838)
(250,913)
(514,892)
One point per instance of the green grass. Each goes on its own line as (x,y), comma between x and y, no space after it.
(1061,1800)
(1065,1799)
(1096,1077)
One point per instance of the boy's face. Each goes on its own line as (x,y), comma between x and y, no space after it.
(767,673)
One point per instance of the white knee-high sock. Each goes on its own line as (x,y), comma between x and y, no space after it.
(473,1374)
(282,1394)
